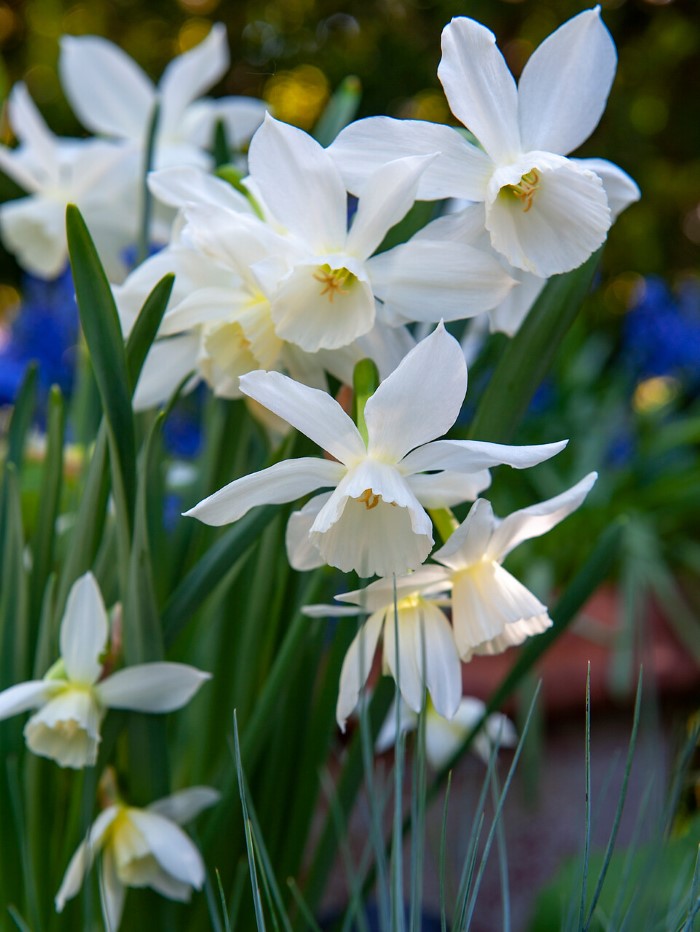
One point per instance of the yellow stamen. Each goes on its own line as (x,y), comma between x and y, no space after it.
(369,499)
(333,281)
(525,190)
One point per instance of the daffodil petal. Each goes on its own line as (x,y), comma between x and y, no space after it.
(313,412)
(151,687)
(406,664)
(443,672)
(479,87)
(167,364)
(420,400)
(474,455)
(356,667)
(170,846)
(189,75)
(84,631)
(537,519)
(107,90)
(447,489)
(26,696)
(283,482)
(462,170)
(302,553)
(620,189)
(112,891)
(185,805)
(470,541)
(84,856)
(565,84)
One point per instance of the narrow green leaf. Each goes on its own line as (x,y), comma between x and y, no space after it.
(202,579)
(528,356)
(103,334)
(22,413)
(43,542)
(145,328)
(339,111)
(260,921)
(146,197)
(587,835)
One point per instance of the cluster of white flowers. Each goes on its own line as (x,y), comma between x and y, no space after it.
(278,284)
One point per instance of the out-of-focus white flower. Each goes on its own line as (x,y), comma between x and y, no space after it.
(55,172)
(141,848)
(113,97)
(544,212)
(491,610)
(71,700)
(374,522)
(427,656)
(444,736)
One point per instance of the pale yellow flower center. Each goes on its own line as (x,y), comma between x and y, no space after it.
(524,191)
(369,499)
(334,281)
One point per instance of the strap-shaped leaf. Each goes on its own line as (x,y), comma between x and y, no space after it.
(528,356)
(145,328)
(103,334)
(340,110)
(22,416)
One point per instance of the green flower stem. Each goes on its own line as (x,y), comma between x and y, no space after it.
(365,380)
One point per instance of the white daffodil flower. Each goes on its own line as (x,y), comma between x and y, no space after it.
(427,656)
(374,522)
(113,97)
(71,700)
(325,296)
(544,212)
(491,610)
(55,172)
(141,848)
(444,737)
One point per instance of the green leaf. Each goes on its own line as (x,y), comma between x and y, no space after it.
(103,334)
(339,111)
(22,416)
(528,356)
(145,328)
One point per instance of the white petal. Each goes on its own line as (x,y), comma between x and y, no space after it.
(84,856)
(380,594)
(620,189)
(430,280)
(302,553)
(30,128)
(317,309)
(171,847)
(465,225)
(67,728)
(537,519)
(151,687)
(443,738)
(189,75)
(167,364)
(407,669)
(107,90)
(485,600)
(241,117)
(17,165)
(185,805)
(469,543)
(461,170)
(512,311)
(112,891)
(447,489)
(26,696)
(474,455)
(479,87)
(443,672)
(356,667)
(420,400)
(387,733)
(33,228)
(310,410)
(182,185)
(384,199)
(513,634)
(283,482)
(387,346)
(565,84)
(566,220)
(378,540)
(84,630)
(300,181)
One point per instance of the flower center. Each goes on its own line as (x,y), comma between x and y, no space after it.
(334,281)
(524,191)
(369,499)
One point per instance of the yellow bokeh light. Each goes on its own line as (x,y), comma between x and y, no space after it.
(192,32)
(202,7)
(654,393)
(298,96)
(427,105)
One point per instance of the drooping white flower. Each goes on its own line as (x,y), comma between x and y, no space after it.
(71,700)
(113,97)
(55,172)
(544,212)
(141,848)
(374,522)
(491,610)
(444,736)
(427,657)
